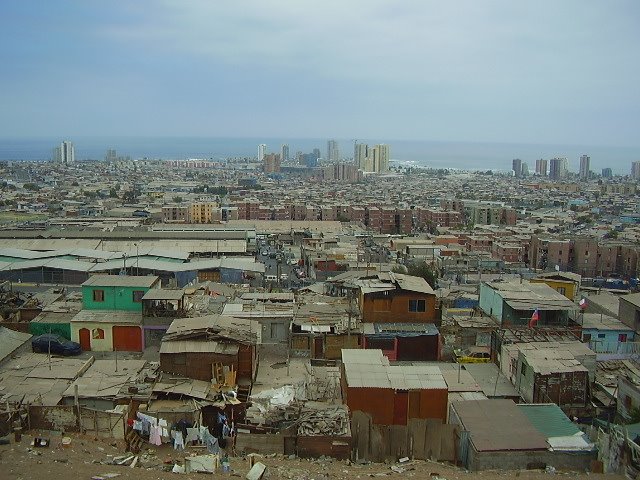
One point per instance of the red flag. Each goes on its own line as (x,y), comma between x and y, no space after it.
(534,318)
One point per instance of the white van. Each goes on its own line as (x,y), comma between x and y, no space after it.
(271,278)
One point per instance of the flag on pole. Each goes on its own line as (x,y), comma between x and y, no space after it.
(582,303)
(534,318)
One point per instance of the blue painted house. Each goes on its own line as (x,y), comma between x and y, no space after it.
(606,334)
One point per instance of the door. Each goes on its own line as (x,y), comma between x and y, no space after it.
(319,347)
(400,407)
(85,339)
(127,338)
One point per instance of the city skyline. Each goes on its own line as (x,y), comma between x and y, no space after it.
(496,72)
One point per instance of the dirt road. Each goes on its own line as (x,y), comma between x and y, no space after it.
(87,457)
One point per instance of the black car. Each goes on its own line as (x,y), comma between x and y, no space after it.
(55,344)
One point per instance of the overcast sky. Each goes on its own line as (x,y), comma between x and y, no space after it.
(545,71)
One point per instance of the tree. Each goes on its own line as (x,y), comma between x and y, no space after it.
(424,271)
(177,199)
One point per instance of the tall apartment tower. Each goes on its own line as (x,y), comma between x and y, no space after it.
(607,173)
(333,152)
(360,154)
(585,164)
(262,151)
(65,153)
(379,157)
(558,168)
(271,163)
(284,152)
(516,166)
(541,167)
(635,170)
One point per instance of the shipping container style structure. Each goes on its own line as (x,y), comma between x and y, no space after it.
(392,395)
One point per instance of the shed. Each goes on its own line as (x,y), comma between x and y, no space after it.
(403,341)
(497,434)
(370,384)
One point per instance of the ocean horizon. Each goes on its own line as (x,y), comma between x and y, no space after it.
(427,154)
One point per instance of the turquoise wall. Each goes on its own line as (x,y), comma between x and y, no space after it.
(115,298)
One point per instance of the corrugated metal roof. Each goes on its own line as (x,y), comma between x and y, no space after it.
(371,369)
(10,340)
(399,329)
(121,281)
(549,420)
(498,425)
(412,283)
(529,296)
(107,316)
(196,346)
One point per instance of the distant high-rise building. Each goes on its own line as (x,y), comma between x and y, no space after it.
(65,153)
(516,166)
(379,157)
(607,173)
(316,152)
(541,167)
(111,156)
(558,168)
(585,164)
(262,151)
(524,169)
(635,170)
(333,151)
(284,153)
(360,154)
(271,163)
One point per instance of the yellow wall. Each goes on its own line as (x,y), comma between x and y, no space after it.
(97,345)
(570,288)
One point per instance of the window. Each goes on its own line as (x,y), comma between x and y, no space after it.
(601,335)
(97,334)
(417,306)
(586,337)
(137,295)
(562,290)
(98,295)
(622,337)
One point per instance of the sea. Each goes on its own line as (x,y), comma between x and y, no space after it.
(427,154)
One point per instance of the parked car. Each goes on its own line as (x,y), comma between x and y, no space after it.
(55,344)
(284,276)
(473,355)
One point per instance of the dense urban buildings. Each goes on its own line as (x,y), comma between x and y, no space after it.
(346,266)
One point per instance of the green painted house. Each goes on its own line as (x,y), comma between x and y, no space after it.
(117,292)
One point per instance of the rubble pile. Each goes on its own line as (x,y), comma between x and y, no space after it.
(333,421)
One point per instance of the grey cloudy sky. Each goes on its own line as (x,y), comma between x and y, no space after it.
(541,72)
